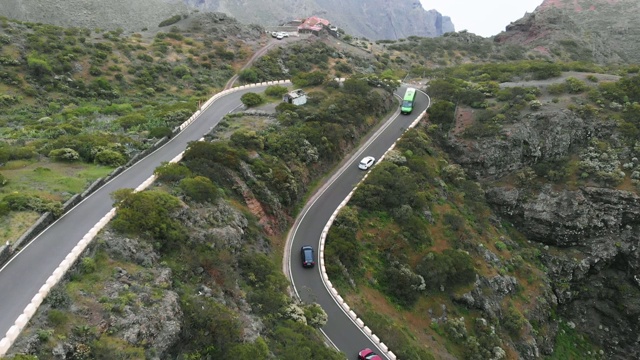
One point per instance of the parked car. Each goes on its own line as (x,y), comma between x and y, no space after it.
(368,354)
(367,162)
(279,36)
(274,34)
(307,257)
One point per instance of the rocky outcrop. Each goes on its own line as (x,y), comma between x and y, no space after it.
(540,136)
(594,269)
(569,218)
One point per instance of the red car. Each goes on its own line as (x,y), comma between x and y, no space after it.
(368,354)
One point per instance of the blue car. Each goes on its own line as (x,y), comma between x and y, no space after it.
(307,257)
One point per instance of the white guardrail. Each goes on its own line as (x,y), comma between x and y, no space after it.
(325,279)
(20,323)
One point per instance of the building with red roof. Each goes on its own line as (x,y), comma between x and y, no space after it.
(313,25)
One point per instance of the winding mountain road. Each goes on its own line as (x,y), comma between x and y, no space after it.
(307,283)
(28,270)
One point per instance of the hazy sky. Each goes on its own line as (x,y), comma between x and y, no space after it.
(482,17)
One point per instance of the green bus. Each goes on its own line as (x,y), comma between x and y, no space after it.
(409,99)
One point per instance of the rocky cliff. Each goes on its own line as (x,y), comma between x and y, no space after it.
(543,135)
(588,30)
(595,257)
(536,174)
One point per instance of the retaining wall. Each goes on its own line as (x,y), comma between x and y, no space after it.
(5,252)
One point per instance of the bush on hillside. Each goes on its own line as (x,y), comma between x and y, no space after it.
(64,154)
(275,91)
(199,189)
(149,214)
(448,269)
(170,21)
(251,99)
(172,172)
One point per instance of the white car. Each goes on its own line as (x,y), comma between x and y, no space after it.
(367,162)
(279,36)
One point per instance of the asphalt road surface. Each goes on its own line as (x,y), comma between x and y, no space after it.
(22,277)
(340,329)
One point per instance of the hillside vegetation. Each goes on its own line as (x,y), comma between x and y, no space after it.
(504,226)
(76,104)
(189,268)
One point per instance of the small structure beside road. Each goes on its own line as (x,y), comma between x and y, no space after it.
(295,97)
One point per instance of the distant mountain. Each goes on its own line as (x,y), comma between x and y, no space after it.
(603,31)
(373,19)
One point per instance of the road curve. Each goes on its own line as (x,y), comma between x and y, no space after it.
(27,271)
(307,283)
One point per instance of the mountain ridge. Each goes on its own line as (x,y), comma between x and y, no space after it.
(377,19)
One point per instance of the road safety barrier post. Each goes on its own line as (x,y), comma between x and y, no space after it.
(5,344)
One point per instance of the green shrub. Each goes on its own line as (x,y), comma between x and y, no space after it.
(248,76)
(39,67)
(160,132)
(110,158)
(575,86)
(58,298)
(132,120)
(199,189)
(442,113)
(451,268)
(44,335)
(251,99)
(557,89)
(343,67)
(24,202)
(64,154)
(500,245)
(402,284)
(3,180)
(454,221)
(170,21)
(513,322)
(148,213)
(247,139)
(309,79)
(181,71)
(275,91)
(172,172)
(88,265)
